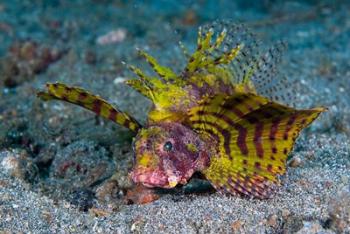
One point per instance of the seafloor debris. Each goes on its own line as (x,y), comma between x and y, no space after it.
(295,162)
(339,211)
(81,165)
(24,60)
(114,36)
(83,199)
(108,191)
(17,163)
(312,227)
(141,195)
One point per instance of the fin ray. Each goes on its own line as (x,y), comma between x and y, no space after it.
(80,97)
(164,72)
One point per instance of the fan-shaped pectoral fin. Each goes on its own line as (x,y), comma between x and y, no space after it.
(254,137)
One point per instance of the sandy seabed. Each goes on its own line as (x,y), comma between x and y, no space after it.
(84,42)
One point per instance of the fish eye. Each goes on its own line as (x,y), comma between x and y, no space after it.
(168,146)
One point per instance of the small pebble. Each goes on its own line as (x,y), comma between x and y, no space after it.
(83,199)
(295,162)
(236,225)
(115,36)
(311,228)
(3,184)
(17,163)
(118,80)
(272,220)
(285,213)
(10,164)
(339,210)
(108,191)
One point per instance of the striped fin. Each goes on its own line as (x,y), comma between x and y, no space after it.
(204,56)
(138,72)
(237,50)
(254,137)
(142,87)
(89,101)
(253,65)
(164,72)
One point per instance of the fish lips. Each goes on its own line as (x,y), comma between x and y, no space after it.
(154,178)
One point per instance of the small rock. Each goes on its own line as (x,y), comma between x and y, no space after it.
(46,155)
(3,184)
(119,80)
(115,36)
(99,212)
(339,211)
(47,216)
(66,205)
(80,165)
(17,163)
(312,228)
(272,220)
(83,199)
(345,179)
(328,184)
(11,164)
(285,213)
(136,226)
(237,225)
(26,59)
(108,191)
(295,162)
(141,195)
(292,223)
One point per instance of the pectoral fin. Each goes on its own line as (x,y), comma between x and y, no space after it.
(96,104)
(254,137)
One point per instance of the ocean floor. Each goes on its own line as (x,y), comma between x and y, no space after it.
(64,170)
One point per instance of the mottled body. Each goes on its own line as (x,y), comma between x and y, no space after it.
(221,117)
(168,154)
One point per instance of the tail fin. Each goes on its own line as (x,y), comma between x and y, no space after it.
(81,97)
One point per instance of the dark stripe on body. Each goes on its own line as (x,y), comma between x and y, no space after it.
(289,126)
(242,132)
(225,133)
(258,138)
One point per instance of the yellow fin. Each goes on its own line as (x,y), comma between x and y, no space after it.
(254,137)
(164,72)
(81,97)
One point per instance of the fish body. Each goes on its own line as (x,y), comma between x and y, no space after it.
(222,116)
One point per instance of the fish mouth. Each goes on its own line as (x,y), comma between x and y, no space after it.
(153,178)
